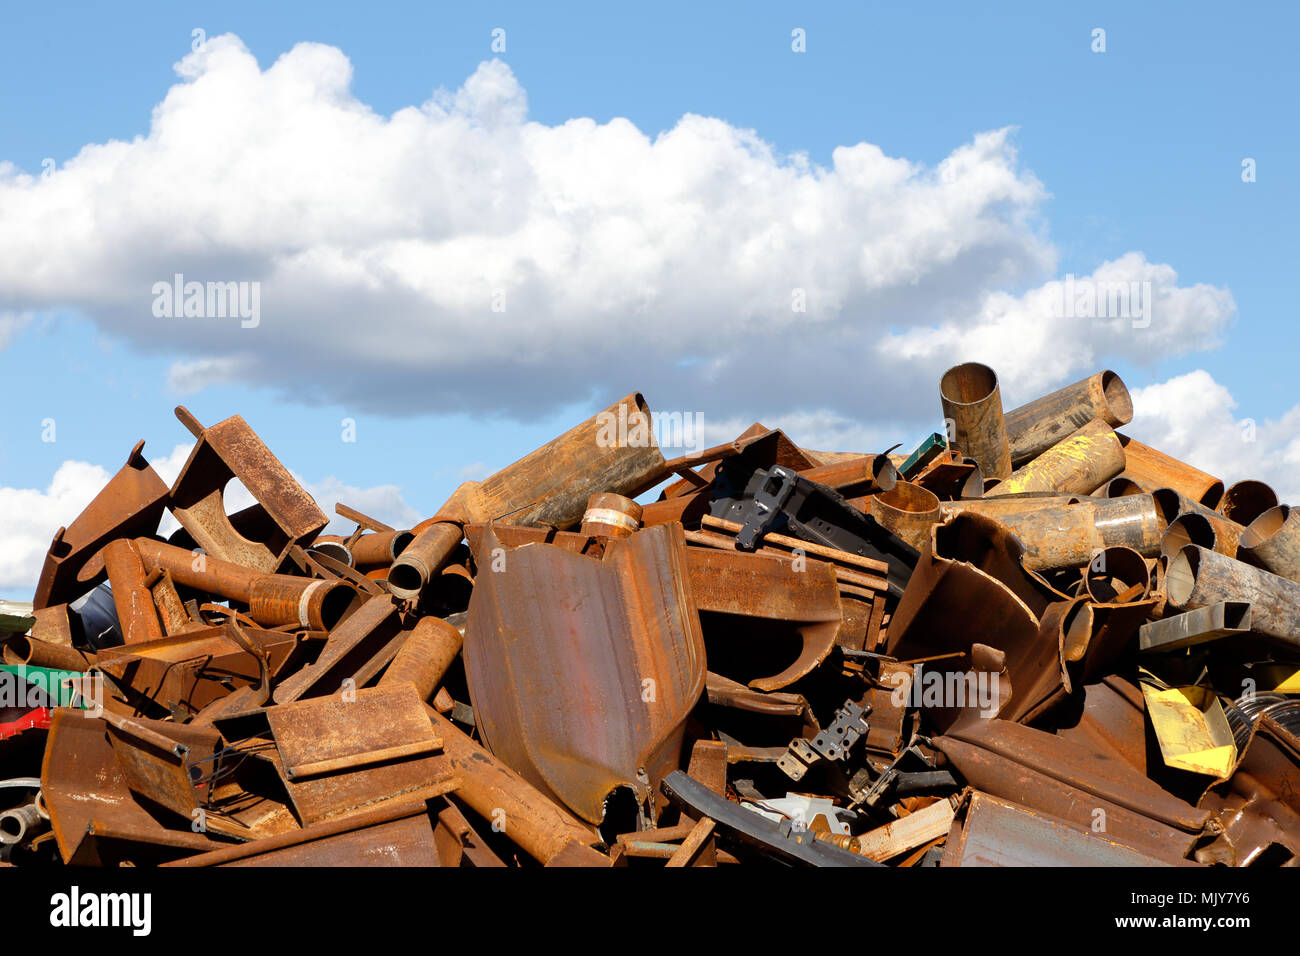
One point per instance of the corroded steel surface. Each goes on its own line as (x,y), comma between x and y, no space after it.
(581,671)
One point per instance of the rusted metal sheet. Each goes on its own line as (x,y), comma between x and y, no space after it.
(395,835)
(553,632)
(93,815)
(162,760)
(131,504)
(136,612)
(970,587)
(229,450)
(762,586)
(1058,777)
(184,674)
(1259,806)
(332,734)
(1001,833)
(356,650)
(338,756)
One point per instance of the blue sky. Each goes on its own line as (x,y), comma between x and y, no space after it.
(1138,149)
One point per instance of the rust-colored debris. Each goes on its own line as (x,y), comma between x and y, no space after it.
(1035,641)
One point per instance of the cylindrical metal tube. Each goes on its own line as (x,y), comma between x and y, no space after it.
(611,516)
(451,588)
(972,401)
(614,450)
(1069,536)
(1113,572)
(201,571)
(1121,486)
(1154,469)
(495,792)
(20,824)
(908,510)
(272,599)
(333,549)
(136,614)
(1173,505)
(379,549)
(1244,501)
(856,476)
(424,557)
(23,649)
(277,599)
(424,658)
(996,507)
(1273,540)
(1190,528)
(1037,426)
(1079,464)
(1198,576)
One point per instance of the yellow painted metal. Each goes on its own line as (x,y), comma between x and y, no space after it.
(1191,727)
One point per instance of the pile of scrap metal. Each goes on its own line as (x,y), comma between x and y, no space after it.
(1031,641)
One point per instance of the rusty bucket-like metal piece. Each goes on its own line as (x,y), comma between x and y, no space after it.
(582,672)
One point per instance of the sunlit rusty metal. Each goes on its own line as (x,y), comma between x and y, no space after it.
(131,504)
(552,631)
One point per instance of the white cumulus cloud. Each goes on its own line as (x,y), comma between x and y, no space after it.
(457,255)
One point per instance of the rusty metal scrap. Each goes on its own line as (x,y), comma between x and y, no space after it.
(1034,641)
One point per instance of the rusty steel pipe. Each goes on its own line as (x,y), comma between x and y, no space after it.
(1273,541)
(996,507)
(423,660)
(272,599)
(452,588)
(422,559)
(380,548)
(20,824)
(495,792)
(1154,469)
(136,613)
(1113,572)
(333,549)
(1190,528)
(1244,501)
(25,649)
(972,401)
(614,450)
(611,516)
(1198,576)
(1172,505)
(1044,422)
(859,475)
(1078,464)
(1121,486)
(908,510)
(1069,536)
